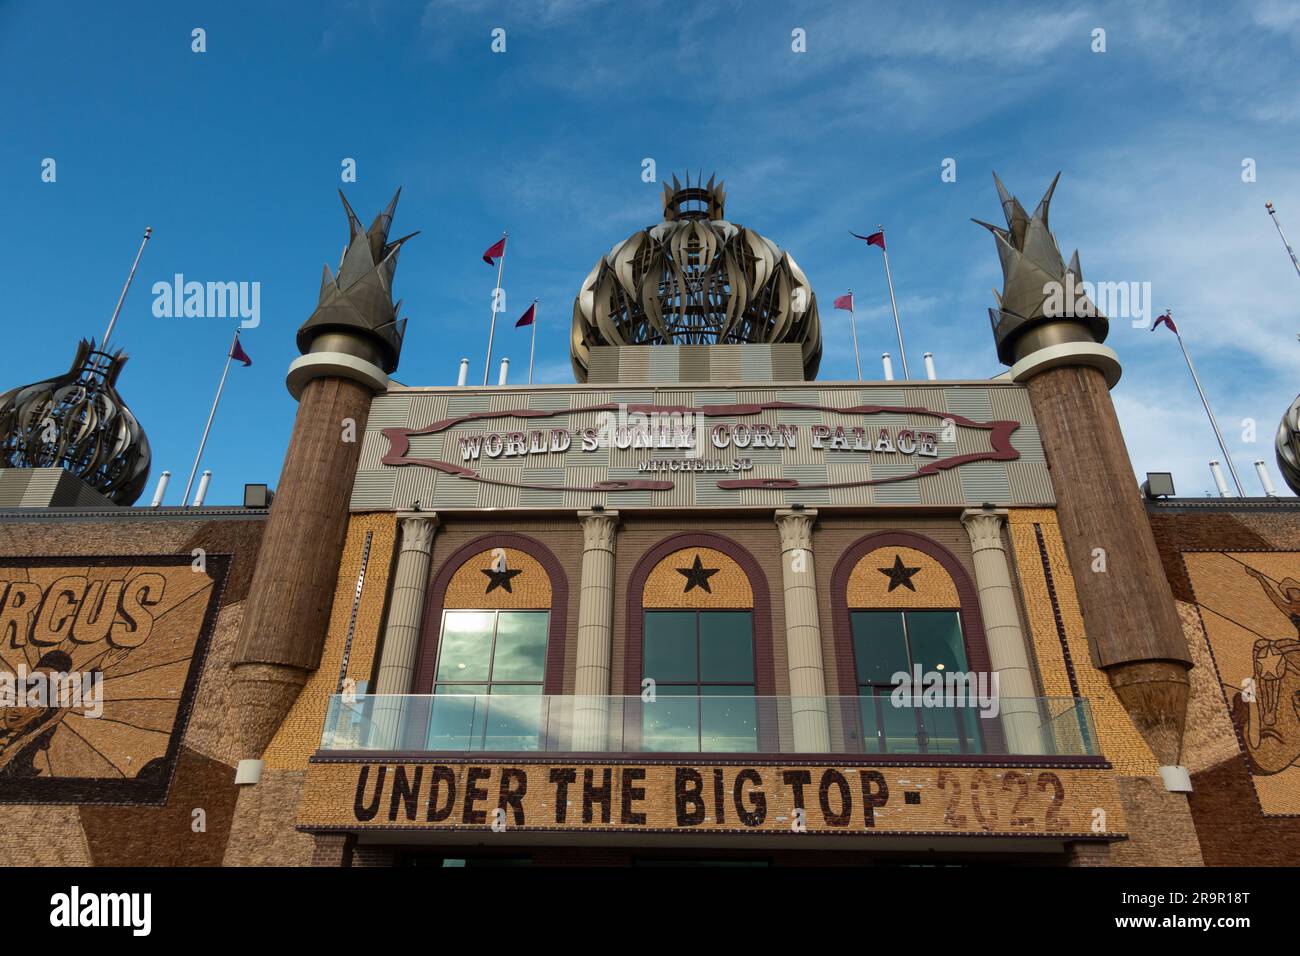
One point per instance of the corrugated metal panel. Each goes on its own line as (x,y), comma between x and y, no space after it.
(453,492)
(579,478)
(985,481)
(876,396)
(943,488)
(787,363)
(1030,483)
(373,491)
(971,402)
(665,364)
(838,474)
(756,363)
(1026,440)
(426,409)
(548,401)
(1011,403)
(389,411)
(533,497)
(902,492)
(809,474)
(602,364)
(468,402)
(633,365)
(373,447)
(414,484)
(13,485)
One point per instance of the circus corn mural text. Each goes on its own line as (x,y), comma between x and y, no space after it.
(99,659)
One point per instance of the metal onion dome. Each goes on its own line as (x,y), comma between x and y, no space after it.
(78,422)
(695,278)
(1287,446)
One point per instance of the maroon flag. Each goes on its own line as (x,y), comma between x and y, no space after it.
(1165,319)
(239,355)
(845,302)
(495,251)
(527,317)
(875,239)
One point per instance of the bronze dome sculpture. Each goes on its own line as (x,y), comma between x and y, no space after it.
(695,279)
(77,421)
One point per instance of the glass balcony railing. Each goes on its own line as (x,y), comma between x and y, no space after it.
(868,725)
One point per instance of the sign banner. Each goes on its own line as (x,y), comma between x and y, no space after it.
(653,796)
(686,448)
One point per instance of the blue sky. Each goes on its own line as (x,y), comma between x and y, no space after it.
(233,157)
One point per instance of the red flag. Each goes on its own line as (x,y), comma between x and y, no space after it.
(527,317)
(239,355)
(495,251)
(845,302)
(875,239)
(1165,319)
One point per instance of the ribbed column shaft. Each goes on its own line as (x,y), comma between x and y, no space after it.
(803,635)
(595,630)
(1008,653)
(406,604)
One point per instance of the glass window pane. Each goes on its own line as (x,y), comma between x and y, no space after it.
(726,647)
(728,720)
(670,646)
(935,638)
(465,650)
(872,740)
(514,715)
(879,647)
(941,733)
(671,722)
(521,646)
(456,721)
(899,727)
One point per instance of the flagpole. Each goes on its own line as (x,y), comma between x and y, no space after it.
(532,348)
(501,268)
(208,427)
(1206,402)
(893,304)
(1278,223)
(853,323)
(148,231)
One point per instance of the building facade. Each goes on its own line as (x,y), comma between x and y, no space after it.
(696,607)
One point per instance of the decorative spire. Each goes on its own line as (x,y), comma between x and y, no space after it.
(695,202)
(1038,288)
(359,300)
(78,422)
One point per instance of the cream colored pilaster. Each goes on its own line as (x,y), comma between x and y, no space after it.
(803,636)
(1008,653)
(595,630)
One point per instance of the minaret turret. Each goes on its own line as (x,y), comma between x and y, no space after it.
(350,344)
(1051,335)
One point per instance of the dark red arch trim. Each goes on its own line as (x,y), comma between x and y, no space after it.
(972,621)
(431,625)
(634,638)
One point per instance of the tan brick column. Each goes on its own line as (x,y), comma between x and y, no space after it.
(1008,653)
(595,630)
(402,631)
(803,633)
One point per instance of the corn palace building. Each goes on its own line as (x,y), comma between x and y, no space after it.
(659,615)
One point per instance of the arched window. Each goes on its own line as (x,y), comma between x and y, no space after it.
(493,646)
(695,618)
(905,606)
